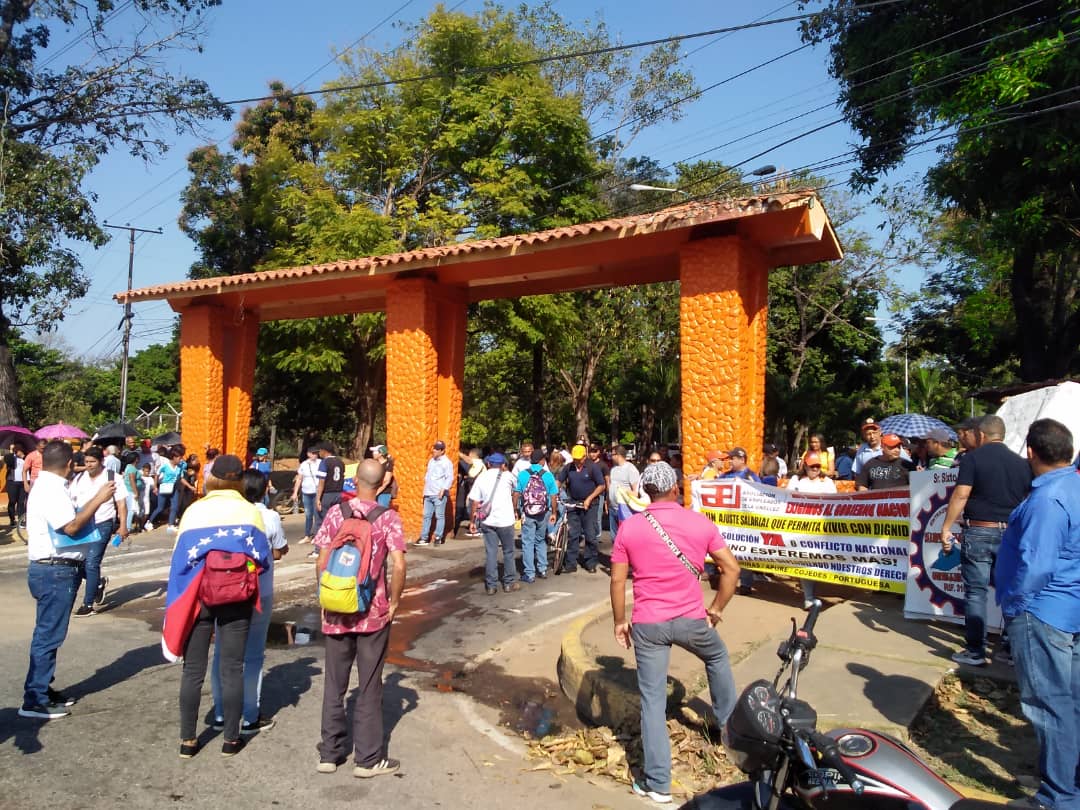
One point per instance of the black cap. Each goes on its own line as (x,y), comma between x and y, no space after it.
(770,448)
(227,467)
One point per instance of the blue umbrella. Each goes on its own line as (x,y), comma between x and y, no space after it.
(913,425)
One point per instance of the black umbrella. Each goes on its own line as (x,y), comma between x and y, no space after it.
(170,438)
(13,434)
(114,432)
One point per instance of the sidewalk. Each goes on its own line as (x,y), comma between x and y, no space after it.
(872,667)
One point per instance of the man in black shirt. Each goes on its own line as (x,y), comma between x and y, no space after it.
(887,471)
(991,481)
(331,475)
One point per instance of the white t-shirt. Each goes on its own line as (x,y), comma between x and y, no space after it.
(275,533)
(502,504)
(820,484)
(309,476)
(49,504)
(622,475)
(83,488)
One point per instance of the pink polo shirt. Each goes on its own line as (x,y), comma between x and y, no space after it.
(663,588)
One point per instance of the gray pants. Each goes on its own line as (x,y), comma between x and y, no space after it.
(652,649)
(368,650)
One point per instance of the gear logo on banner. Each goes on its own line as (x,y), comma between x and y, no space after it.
(936,573)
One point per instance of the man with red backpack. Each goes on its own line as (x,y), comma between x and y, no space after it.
(362,635)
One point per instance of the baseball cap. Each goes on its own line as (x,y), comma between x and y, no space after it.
(891,440)
(738,452)
(770,448)
(378,448)
(578,452)
(262,451)
(940,435)
(439,445)
(227,467)
(869,424)
(658,478)
(495,459)
(713,455)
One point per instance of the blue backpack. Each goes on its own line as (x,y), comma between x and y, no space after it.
(347,583)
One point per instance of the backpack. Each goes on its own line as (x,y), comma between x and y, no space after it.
(347,583)
(534,498)
(228,577)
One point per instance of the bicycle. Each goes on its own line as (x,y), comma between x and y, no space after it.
(562,538)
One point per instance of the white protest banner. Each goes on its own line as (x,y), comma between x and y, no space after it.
(935,583)
(858,539)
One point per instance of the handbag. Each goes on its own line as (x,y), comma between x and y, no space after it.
(671,545)
(482,510)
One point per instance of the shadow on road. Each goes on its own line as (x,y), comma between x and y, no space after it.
(129,664)
(283,684)
(23,730)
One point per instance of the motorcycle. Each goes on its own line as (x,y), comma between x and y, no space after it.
(772,737)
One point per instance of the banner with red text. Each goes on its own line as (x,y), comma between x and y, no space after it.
(858,538)
(935,582)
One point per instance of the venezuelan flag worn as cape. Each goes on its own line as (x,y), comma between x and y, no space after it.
(221,521)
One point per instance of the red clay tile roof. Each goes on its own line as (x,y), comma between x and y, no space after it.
(680,216)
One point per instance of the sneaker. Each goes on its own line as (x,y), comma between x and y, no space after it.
(262,724)
(528,580)
(99,596)
(490,591)
(659,798)
(567,569)
(58,698)
(304,540)
(313,555)
(590,568)
(381,767)
(541,574)
(326,767)
(744,590)
(170,529)
(230,748)
(971,659)
(46,711)
(423,541)
(513,586)
(188,750)
(1003,655)
(148,527)
(218,724)
(85,610)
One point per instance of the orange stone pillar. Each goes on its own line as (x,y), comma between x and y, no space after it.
(202,376)
(722,310)
(242,339)
(425,368)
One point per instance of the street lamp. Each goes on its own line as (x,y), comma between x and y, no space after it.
(903,333)
(643,187)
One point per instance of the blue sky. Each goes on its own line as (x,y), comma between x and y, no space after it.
(251,42)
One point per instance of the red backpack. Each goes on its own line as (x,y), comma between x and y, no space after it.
(228,577)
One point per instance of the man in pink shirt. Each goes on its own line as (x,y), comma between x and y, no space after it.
(666,546)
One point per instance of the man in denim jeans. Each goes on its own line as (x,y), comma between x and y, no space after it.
(1038,588)
(990,482)
(438,479)
(54,573)
(665,546)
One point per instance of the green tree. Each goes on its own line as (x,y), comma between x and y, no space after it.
(390,163)
(57,123)
(998,84)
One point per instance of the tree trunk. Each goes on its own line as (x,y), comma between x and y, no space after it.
(1044,288)
(10,408)
(539,425)
(368,392)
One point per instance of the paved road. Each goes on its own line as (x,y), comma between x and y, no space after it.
(466,670)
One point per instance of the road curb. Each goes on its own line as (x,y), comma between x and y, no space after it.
(602,695)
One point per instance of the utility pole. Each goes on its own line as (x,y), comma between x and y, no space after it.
(131,229)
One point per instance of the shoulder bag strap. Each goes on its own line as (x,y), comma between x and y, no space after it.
(671,545)
(494,490)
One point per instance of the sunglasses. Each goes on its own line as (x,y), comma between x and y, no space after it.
(813,467)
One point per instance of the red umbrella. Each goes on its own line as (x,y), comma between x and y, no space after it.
(60,431)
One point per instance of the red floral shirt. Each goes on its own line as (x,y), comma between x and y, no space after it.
(387,535)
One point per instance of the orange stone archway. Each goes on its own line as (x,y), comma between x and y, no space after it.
(720,252)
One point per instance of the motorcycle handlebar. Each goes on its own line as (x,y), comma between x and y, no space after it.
(812,617)
(830,755)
